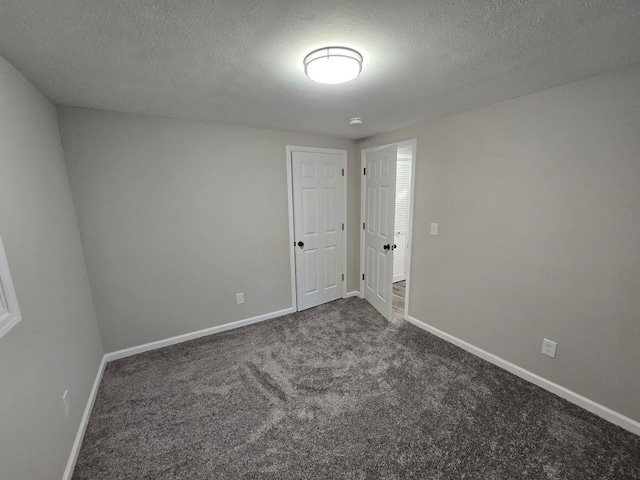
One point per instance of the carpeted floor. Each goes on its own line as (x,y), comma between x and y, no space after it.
(338,392)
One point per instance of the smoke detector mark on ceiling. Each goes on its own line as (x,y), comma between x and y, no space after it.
(239,66)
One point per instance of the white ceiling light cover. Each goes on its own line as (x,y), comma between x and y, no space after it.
(332,65)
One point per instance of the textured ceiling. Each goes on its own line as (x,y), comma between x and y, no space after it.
(240,61)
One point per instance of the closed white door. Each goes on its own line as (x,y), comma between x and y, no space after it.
(318,226)
(380,192)
(403,184)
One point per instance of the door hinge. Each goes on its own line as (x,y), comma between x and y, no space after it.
(365,171)
(343,277)
(363,225)
(363,276)
(343,226)
(343,172)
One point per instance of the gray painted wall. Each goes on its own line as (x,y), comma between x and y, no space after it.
(176,217)
(538,200)
(56,346)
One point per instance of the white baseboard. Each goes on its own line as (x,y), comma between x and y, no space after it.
(600,410)
(127,352)
(355,293)
(575,398)
(75,450)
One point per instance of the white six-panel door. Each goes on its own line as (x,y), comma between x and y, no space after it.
(380,197)
(318,223)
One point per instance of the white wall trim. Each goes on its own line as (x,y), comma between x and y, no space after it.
(363,162)
(75,449)
(600,410)
(593,407)
(345,211)
(292,259)
(354,293)
(292,253)
(9,308)
(127,352)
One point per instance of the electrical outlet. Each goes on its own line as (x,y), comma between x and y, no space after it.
(240,298)
(65,402)
(549,348)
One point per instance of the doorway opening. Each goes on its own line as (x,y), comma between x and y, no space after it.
(388,180)
(401,231)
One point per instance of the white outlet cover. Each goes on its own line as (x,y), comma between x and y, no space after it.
(240,298)
(549,348)
(434,229)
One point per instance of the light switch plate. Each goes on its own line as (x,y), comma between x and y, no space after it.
(434,229)
(240,298)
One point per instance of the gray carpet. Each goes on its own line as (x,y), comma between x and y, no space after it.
(338,392)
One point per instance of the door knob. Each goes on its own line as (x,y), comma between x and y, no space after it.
(387,247)
(301,244)
(394,246)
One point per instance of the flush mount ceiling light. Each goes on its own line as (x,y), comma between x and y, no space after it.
(333,65)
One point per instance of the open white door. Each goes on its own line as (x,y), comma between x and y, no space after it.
(380,197)
(318,226)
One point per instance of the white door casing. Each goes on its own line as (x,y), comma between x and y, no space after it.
(318,219)
(380,188)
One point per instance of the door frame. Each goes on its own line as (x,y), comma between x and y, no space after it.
(292,259)
(413,143)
